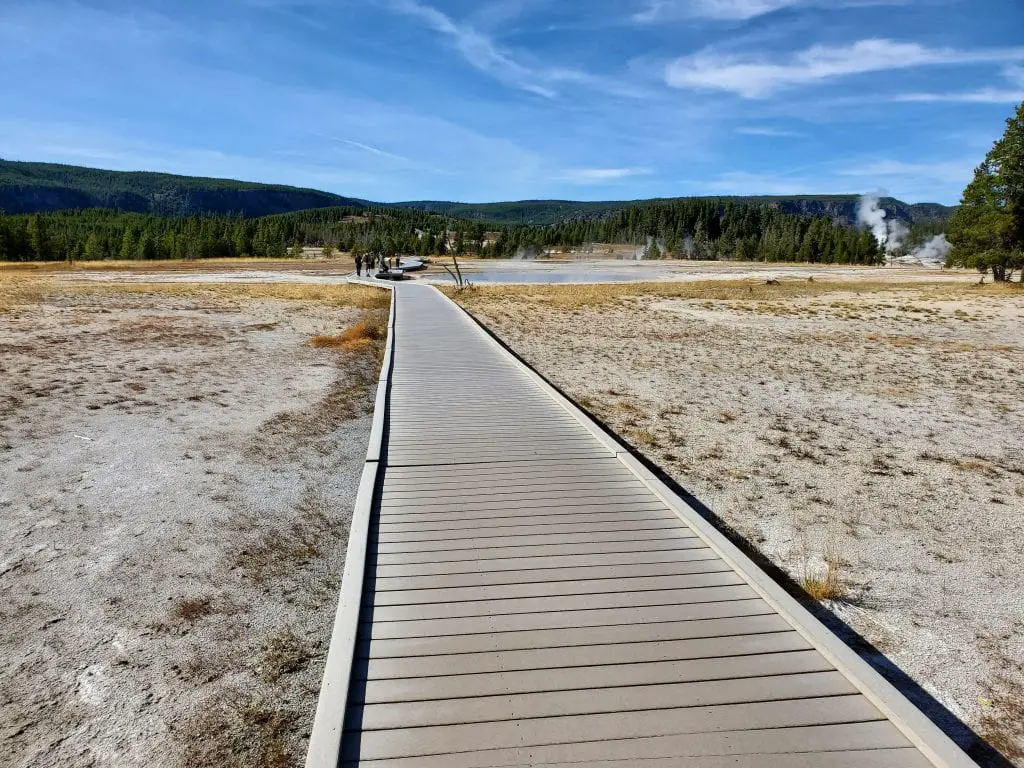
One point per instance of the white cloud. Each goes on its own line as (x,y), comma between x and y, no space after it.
(756,130)
(601,175)
(983,96)
(758,77)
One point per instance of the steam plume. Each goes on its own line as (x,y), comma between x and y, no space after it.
(934,252)
(889,234)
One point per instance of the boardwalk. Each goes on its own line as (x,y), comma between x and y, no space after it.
(532,596)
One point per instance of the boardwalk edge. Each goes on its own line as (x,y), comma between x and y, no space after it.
(329,721)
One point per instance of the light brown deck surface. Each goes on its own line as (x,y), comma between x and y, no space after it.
(529,601)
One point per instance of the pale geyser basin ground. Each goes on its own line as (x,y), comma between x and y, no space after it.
(177,473)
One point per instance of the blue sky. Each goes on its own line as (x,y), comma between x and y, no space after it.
(509,99)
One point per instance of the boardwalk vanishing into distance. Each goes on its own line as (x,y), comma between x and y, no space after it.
(520,591)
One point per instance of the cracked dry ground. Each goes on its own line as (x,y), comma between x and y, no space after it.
(866,434)
(177,474)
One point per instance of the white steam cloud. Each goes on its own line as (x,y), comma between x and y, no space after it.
(889,234)
(933,253)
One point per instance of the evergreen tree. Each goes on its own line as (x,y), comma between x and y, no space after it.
(127,245)
(93,248)
(146,249)
(987,230)
(37,238)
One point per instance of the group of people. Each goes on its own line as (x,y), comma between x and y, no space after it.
(375,261)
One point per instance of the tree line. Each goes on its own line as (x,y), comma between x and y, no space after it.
(987,231)
(697,229)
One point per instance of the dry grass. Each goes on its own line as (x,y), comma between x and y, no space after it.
(176,265)
(360,336)
(191,609)
(17,291)
(278,552)
(361,296)
(236,730)
(826,582)
(1002,723)
(283,652)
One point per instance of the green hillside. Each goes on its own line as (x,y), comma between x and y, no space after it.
(41,187)
(840,208)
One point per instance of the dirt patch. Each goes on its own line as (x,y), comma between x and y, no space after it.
(865,438)
(177,473)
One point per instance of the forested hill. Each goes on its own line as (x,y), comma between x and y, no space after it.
(45,187)
(842,209)
(41,187)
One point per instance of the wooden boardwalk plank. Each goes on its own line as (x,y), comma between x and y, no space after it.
(378,667)
(603,625)
(528,730)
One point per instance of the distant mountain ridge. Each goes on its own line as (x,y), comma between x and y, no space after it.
(39,187)
(27,187)
(842,209)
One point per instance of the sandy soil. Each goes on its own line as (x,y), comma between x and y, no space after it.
(176,478)
(866,438)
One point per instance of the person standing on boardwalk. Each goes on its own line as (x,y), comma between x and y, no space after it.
(359,264)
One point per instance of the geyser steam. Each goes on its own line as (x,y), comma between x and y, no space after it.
(933,253)
(870,214)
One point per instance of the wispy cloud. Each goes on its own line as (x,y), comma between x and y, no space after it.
(365,147)
(1014,73)
(756,77)
(910,181)
(738,10)
(983,96)
(746,183)
(476,48)
(732,10)
(757,130)
(601,175)
(482,52)
(883,172)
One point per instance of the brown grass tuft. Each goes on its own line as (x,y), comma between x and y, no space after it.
(360,336)
(828,583)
